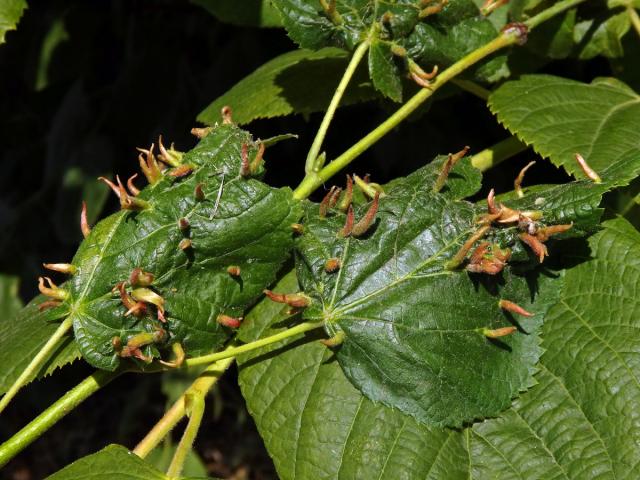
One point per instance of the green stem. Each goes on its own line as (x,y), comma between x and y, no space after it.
(235,351)
(205,381)
(501,151)
(507,38)
(196,407)
(55,412)
(473,88)
(310,165)
(36,363)
(634,17)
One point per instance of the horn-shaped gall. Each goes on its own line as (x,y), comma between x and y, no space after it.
(588,171)
(297,300)
(369,218)
(52,290)
(498,332)
(517,183)
(66,268)
(451,161)
(512,307)
(228,321)
(84,223)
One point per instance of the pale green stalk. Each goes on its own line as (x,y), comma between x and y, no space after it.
(505,39)
(235,351)
(501,151)
(196,411)
(312,156)
(55,412)
(36,363)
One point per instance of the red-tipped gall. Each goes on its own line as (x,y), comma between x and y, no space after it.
(498,332)
(297,300)
(227,321)
(84,223)
(60,267)
(367,221)
(332,265)
(52,291)
(588,171)
(512,307)
(538,248)
(233,270)
(226,114)
(198,192)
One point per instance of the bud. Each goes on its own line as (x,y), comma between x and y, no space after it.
(298,300)
(518,30)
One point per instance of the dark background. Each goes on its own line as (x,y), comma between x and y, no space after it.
(126,72)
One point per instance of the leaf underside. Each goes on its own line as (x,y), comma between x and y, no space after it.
(282,85)
(577,422)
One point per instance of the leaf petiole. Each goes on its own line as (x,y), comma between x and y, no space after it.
(312,156)
(235,351)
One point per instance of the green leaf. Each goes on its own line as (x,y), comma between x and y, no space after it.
(241,222)
(250,13)
(282,87)
(575,424)
(560,117)
(161,456)
(22,335)
(114,461)
(10,302)
(384,72)
(413,327)
(10,13)
(602,36)
(440,38)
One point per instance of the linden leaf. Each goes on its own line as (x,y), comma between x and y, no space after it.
(561,117)
(413,326)
(576,423)
(238,222)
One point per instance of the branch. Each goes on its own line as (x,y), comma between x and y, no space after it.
(310,165)
(55,412)
(507,38)
(195,402)
(498,153)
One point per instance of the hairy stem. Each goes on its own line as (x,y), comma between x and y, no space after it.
(205,381)
(235,351)
(55,412)
(333,106)
(36,363)
(505,39)
(634,17)
(501,151)
(196,410)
